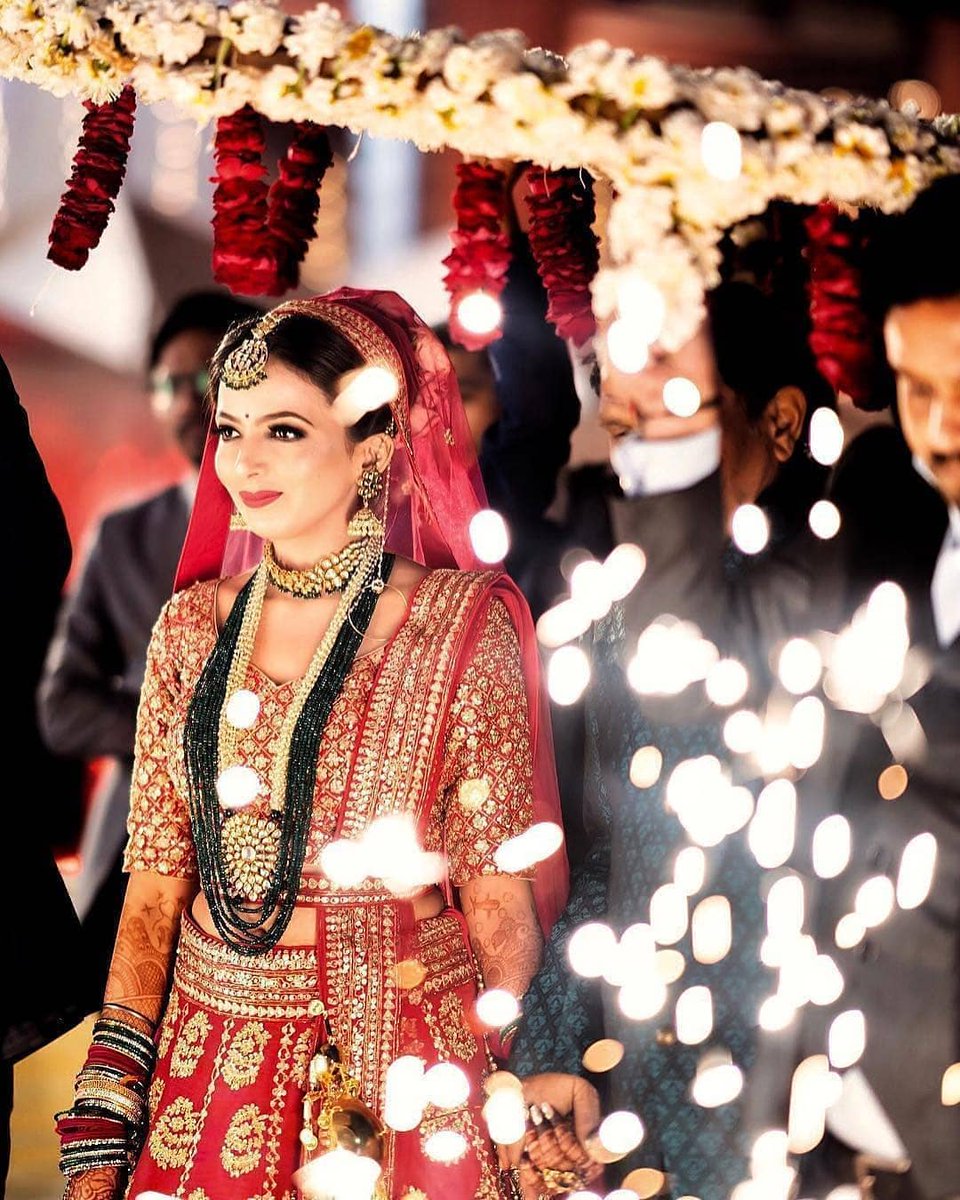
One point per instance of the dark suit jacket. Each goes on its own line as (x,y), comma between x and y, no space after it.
(45,990)
(92,680)
(906,978)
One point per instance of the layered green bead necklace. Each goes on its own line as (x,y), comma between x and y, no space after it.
(250,865)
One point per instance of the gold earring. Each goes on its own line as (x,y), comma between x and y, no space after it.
(365,523)
(237,523)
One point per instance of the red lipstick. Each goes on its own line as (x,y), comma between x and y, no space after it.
(259,499)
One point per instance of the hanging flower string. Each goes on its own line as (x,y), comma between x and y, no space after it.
(840,336)
(241,255)
(294,199)
(564,247)
(98,170)
(481,249)
(260,234)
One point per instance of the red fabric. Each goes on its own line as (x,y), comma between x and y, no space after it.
(551,880)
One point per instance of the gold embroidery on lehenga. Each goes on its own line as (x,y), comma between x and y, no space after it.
(285,1072)
(245,1056)
(454,1121)
(188,1049)
(226,1036)
(463,1121)
(172,1136)
(453,1027)
(280,986)
(169,1023)
(155,1093)
(243,1143)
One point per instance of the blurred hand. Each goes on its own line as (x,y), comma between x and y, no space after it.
(99,1183)
(634,403)
(564,1113)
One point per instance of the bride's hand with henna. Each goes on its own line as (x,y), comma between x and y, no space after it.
(564,1114)
(99,1183)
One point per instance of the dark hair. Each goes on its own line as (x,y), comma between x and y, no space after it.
(211,312)
(915,255)
(316,351)
(761,345)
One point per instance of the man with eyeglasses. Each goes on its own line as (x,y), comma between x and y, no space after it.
(91,683)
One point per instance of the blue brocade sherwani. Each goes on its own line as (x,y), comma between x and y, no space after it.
(634,841)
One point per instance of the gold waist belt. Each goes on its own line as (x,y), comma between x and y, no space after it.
(280,984)
(283,983)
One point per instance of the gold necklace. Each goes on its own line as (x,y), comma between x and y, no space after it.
(330,574)
(250,843)
(230,734)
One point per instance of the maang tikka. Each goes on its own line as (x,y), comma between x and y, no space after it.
(365,523)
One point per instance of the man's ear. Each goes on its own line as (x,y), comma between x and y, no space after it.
(783,421)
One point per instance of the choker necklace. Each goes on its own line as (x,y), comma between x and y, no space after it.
(331,574)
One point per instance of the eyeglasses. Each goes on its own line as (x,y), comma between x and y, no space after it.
(165,385)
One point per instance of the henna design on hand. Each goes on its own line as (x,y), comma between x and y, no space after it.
(146,940)
(504,930)
(99,1183)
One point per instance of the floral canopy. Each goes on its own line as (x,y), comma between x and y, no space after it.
(686,154)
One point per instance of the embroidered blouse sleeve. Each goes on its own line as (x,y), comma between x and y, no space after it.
(488,767)
(158,826)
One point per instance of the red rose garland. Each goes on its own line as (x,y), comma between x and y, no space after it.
(241,253)
(564,248)
(481,248)
(840,335)
(260,235)
(294,199)
(98,170)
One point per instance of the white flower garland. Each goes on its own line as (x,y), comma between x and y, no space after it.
(636,121)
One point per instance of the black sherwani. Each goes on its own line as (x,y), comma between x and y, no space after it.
(45,990)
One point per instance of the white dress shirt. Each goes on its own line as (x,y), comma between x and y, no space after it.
(653,468)
(945,586)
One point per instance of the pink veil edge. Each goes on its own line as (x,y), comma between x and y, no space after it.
(435,490)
